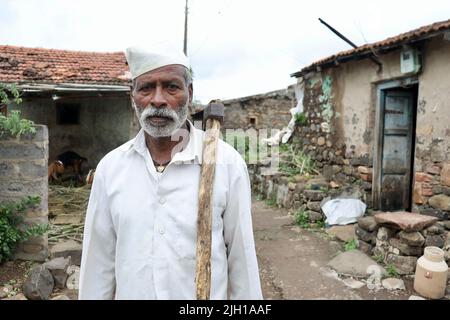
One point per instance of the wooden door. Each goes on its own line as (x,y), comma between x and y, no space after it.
(398,108)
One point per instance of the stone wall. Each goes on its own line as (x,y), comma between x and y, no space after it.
(320,137)
(339,132)
(432,154)
(432,190)
(342,172)
(266,111)
(399,239)
(300,193)
(23,172)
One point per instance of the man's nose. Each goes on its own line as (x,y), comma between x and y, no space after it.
(158,99)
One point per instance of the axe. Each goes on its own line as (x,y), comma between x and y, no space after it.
(213,116)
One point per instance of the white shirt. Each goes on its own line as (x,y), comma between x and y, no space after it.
(141,226)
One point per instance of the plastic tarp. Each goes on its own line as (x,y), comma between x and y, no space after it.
(343,211)
(285,134)
(299,90)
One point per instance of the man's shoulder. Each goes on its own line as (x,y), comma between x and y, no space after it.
(229,155)
(226,154)
(116,154)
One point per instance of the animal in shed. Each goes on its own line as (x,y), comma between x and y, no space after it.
(55,169)
(74,160)
(90,176)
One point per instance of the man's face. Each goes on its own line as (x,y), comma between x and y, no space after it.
(161,98)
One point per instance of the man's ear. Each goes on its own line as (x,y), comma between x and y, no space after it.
(132,87)
(132,99)
(191,92)
(131,90)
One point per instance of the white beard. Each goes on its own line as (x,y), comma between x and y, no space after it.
(177,119)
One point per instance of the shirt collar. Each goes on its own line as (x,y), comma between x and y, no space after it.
(192,153)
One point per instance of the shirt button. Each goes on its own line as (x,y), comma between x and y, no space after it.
(162,200)
(161,230)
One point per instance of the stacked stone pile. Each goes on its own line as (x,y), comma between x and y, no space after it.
(399,238)
(306,193)
(55,278)
(301,193)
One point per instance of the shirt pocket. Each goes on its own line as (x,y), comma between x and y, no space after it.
(186,222)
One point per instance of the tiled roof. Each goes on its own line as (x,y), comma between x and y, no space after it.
(396,41)
(37,65)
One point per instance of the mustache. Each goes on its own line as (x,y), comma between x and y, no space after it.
(158,112)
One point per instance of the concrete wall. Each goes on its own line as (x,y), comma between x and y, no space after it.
(23,172)
(270,110)
(104,125)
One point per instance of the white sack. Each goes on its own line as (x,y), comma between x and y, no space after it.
(343,211)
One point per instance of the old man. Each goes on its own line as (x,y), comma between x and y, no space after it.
(141,222)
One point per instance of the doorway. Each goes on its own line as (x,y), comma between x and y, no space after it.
(394,164)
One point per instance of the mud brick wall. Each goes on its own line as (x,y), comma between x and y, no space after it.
(23,172)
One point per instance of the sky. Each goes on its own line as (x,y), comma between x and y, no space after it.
(236,47)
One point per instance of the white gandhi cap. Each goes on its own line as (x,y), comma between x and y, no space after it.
(144,59)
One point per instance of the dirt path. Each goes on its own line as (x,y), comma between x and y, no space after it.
(292,261)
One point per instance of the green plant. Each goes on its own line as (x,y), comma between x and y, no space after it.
(283,148)
(271,201)
(11,231)
(392,271)
(292,179)
(288,169)
(351,245)
(252,152)
(300,118)
(301,218)
(247,144)
(15,289)
(320,224)
(7,90)
(259,197)
(295,161)
(29,265)
(378,258)
(15,125)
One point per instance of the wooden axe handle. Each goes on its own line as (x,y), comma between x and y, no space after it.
(203,271)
